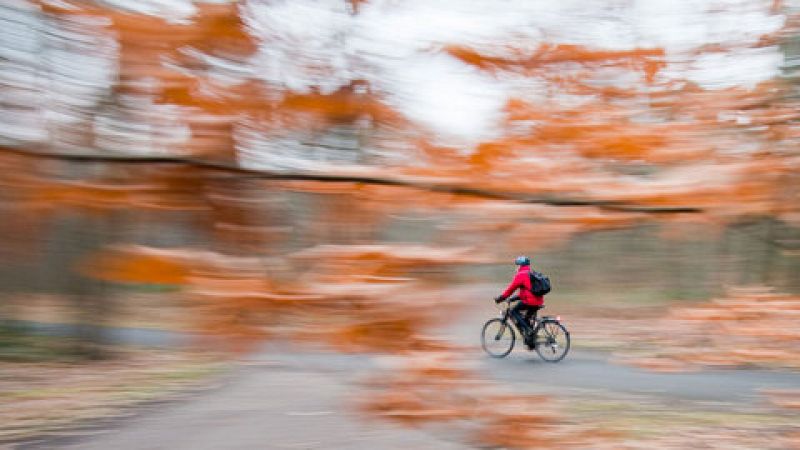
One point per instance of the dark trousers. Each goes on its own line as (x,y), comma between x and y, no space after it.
(529,310)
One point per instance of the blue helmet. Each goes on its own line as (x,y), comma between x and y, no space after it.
(522,261)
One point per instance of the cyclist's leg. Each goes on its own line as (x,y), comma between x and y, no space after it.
(528,311)
(532,312)
(523,312)
(516,311)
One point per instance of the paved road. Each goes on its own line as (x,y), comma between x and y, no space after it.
(275,400)
(290,398)
(592,370)
(301,400)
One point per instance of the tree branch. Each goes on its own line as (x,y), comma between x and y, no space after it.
(611,205)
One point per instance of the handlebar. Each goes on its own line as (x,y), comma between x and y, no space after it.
(505,304)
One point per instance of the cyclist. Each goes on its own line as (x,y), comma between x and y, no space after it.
(529,303)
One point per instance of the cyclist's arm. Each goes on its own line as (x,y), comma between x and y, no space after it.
(516,283)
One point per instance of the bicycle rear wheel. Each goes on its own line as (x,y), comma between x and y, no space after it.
(497,338)
(552,341)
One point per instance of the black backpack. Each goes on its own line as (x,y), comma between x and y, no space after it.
(540,284)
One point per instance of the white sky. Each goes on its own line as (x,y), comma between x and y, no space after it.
(394,45)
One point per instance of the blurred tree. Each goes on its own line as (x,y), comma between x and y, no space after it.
(175,117)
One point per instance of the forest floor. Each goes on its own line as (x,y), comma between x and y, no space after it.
(48,386)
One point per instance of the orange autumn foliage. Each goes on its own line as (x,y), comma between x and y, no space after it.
(431,388)
(573,145)
(344,105)
(647,60)
(133,267)
(750,327)
(789,399)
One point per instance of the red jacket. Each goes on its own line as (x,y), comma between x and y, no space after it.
(522,281)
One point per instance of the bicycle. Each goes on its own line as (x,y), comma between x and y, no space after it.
(547,336)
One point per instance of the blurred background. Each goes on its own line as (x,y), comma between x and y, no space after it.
(193,187)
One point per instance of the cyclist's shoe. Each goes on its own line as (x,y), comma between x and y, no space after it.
(529,343)
(529,339)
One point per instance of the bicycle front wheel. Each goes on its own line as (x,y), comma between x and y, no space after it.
(497,338)
(552,342)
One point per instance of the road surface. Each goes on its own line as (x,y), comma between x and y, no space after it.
(296,398)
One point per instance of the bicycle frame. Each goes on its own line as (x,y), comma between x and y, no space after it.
(520,323)
(517,320)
